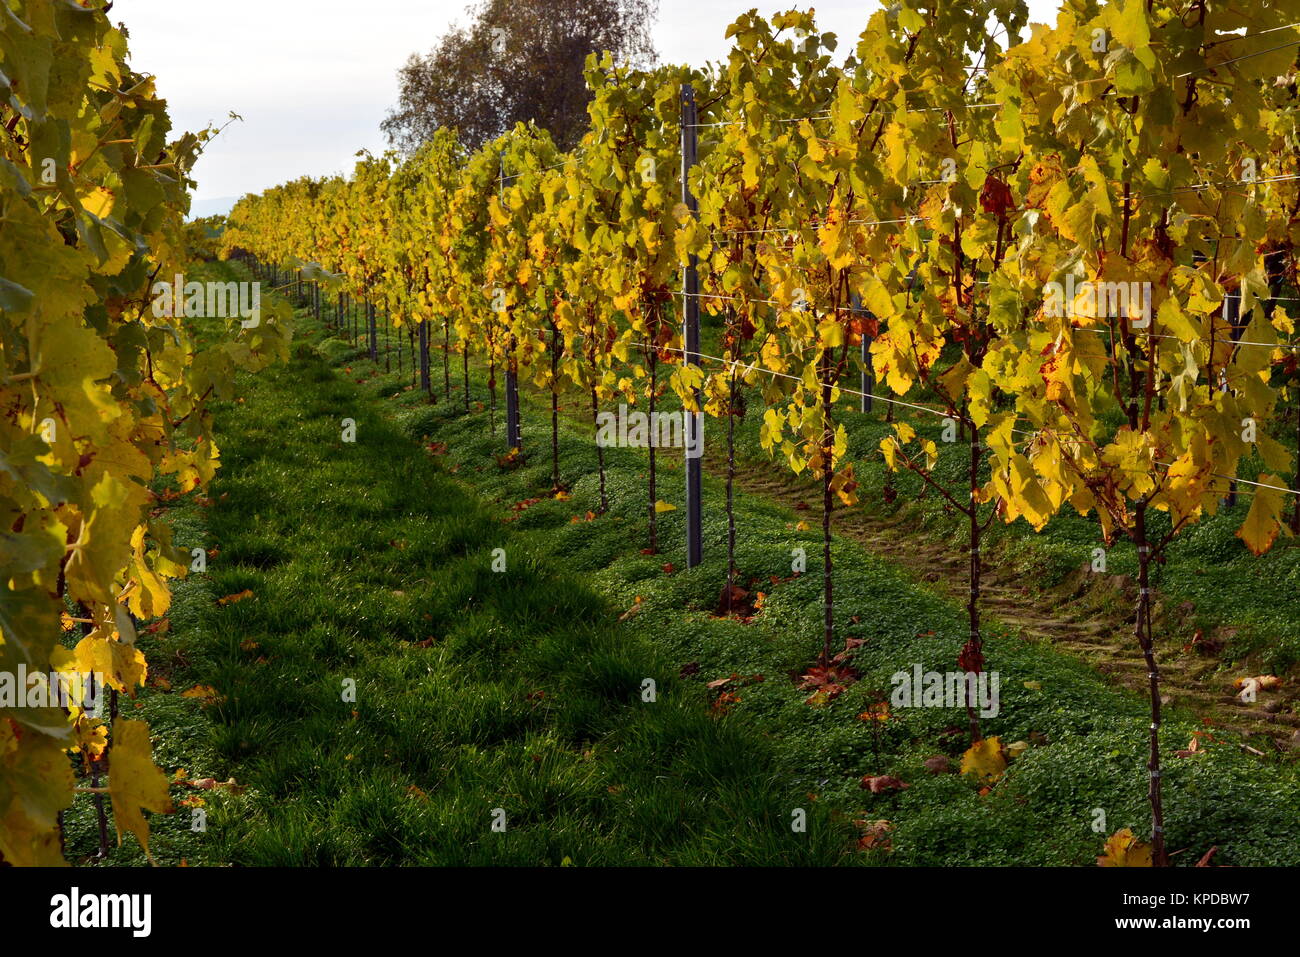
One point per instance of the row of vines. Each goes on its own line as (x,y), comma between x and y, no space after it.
(103,416)
(1072,241)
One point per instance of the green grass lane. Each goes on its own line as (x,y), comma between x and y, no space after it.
(475,690)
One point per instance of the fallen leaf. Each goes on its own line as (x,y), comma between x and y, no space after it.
(984,760)
(939,764)
(880,783)
(205,694)
(875,835)
(635,609)
(724,701)
(1123,849)
(1249,688)
(877,712)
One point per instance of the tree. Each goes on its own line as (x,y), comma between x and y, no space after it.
(518,60)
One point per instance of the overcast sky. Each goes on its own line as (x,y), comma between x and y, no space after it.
(313,80)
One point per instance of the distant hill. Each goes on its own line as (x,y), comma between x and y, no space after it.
(219,206)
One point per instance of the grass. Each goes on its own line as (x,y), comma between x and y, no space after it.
(371,568)
(522,690)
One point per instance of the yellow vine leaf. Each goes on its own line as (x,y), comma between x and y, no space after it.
(134,783)
(1123,849)
(122,665)
(984,760)
(99,202)
(1264,520)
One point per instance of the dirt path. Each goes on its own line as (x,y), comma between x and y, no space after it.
(1092,620)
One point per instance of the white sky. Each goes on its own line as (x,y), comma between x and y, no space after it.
(313,80)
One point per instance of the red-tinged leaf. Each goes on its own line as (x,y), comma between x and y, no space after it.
(878,784)
(724,701)
(971,658)
(875,835)
(832,679)
(740,606)
(212,784)
(878,712)
(996,196)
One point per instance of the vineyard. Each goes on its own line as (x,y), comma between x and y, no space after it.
(881,456)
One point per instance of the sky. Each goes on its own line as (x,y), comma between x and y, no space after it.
(313,80)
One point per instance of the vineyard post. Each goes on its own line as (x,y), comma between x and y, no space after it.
(372,329)
(424,357)
(694,421)
(1231,315)
(513,439)
(868,377)
(1276,268)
